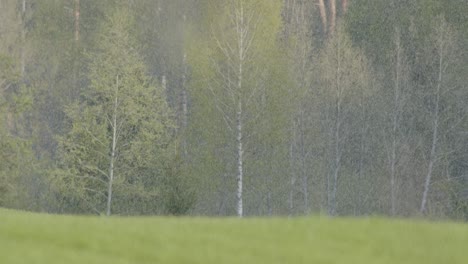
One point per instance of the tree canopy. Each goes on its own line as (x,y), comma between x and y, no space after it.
(234,107)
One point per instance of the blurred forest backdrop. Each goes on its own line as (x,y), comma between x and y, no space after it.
(235,107)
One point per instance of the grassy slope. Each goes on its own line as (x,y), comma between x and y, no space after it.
(34,238)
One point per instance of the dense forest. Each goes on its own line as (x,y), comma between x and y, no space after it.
(235,107)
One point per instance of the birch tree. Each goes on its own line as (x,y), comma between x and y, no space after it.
(400,96)
(298,27)
(238,83)
(243,25)
(118,131)
(344,78)
(444,54)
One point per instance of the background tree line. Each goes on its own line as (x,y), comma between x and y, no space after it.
(234,107)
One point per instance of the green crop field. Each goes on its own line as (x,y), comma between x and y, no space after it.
(40,238)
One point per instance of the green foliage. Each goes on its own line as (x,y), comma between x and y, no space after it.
(177,193)
(215,61)
(59,96)
(344,72)
(15,145)
(121,99)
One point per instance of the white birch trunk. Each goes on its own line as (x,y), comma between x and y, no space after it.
(435,127)
(113,148)
(184,105)
(184,94)
(164,83)
(232,105)
(240,170)
(241,32)
(337,162)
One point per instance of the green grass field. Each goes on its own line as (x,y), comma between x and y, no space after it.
(38,238)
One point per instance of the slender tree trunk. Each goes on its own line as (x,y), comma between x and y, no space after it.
(292,180)
(323,15)
(222,190)
(435,127)
(184,105)
(240,169)
(305,176)
(77,20)
(395,121)
(269,204)
(23,38)
(329,193)
(337,135)
(393,169)
(361,170)
(74,90)
(113,148)
(240,150)
(337,165)
(164,83)
(184,97)
(344,6)
(236,55)
(333,16)
(393,158)
(432,158)
(241,33)
(330,161)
